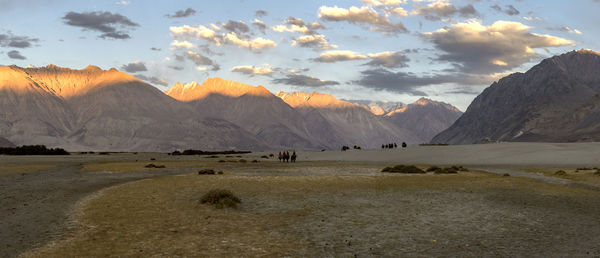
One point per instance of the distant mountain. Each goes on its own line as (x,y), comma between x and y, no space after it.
(5,143)
(557,100)
(93,109)
(379,108)
(254,109)
(425,118)
(107,110)
(351,123)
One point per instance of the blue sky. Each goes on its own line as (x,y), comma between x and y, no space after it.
(395,50)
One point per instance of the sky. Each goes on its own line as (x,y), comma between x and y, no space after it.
(385,50)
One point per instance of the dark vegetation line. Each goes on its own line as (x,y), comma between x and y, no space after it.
(32,150)
(199,152)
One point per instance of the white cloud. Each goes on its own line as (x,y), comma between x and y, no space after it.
(339,55)
(252,70)
(123,2)
(364,16)
(388,59)
(253,44)
(313,41)
(184,44)
(495,48)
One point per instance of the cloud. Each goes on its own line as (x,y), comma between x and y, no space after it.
(315,41)
(254,44)
(176,68)
(236,26)
(155,49)
(14,54)
(339,55)
(475,48)
(104,22)
(252,70)
(303,80)
(442,11)
(10,40)
(261,13)
(184,44)
(198,58)
(293,24)
(260,25)
(202,32)
(363,16)
(410,83)
(152,80)
(510,9)
(566,29)
(182,13)
(123,2)
(388,59)
(134,67)
(383,2)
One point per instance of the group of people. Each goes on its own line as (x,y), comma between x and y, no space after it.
(286,157)
(392,145)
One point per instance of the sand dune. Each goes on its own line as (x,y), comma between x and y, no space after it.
(525,155)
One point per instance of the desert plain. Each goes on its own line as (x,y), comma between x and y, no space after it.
(510,202)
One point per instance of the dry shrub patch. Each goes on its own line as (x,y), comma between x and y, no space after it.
(410,169)
(221,198)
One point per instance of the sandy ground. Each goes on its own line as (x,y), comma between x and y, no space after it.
(328,204)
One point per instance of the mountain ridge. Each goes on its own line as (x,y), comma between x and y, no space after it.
(557,100)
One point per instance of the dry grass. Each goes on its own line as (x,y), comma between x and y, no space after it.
(581,176)
(326,214)
(12,169)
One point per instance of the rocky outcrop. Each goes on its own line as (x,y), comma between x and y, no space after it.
(557,100)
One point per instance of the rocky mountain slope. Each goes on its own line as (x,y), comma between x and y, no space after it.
(379,108)
(107,110)
(93,109)
(349,122)
(426,118)
(557,100)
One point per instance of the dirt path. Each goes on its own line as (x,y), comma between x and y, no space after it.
(34,207)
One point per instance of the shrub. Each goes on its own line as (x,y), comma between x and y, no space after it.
(206,172)
(221,161)
(243,160)
(410,169)
(32,150)
(560,173)
(155,166)
(506,174)
(433,169)
(459,168)
(450,170)
(254,161)
(264,157)
(221,198)
(597,173)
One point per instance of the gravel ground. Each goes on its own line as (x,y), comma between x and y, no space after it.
(35,206)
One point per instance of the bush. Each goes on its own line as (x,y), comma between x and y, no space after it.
(254,161)
(221,198)
(597,173)
(506,174)
(264,157)
(32,150)
(206,172)
(459,168)
(450,170)
(410,169)
(433,169)
(560,173)
(155,166)
(221,161)
(243,160)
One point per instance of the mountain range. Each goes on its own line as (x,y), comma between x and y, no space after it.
(107,110)
(557,100)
